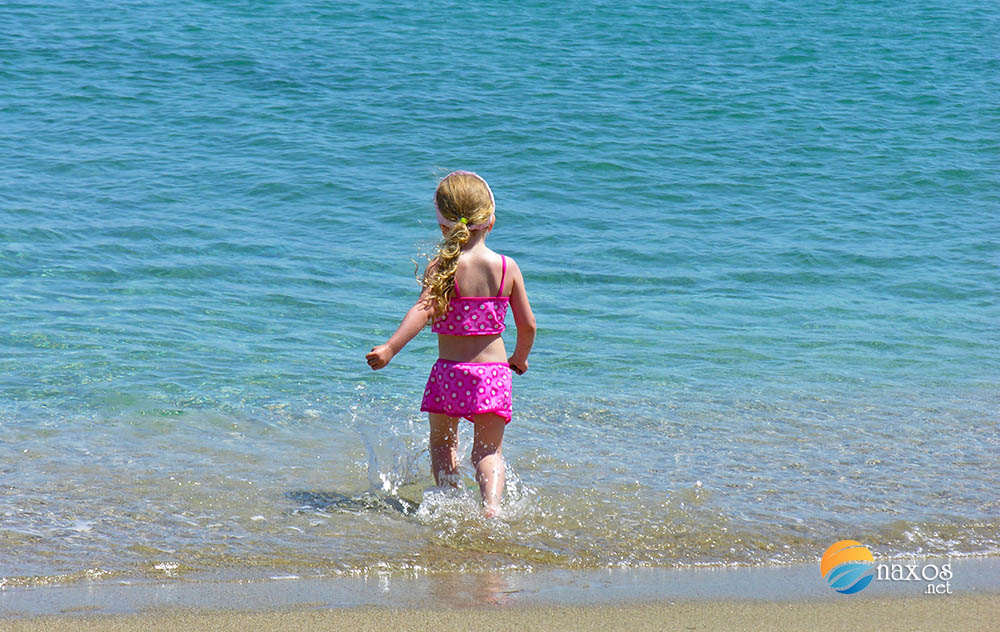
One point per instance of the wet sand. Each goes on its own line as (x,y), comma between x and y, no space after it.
(762,598)
(946,612)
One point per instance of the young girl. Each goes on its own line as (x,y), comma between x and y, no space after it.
(466,290)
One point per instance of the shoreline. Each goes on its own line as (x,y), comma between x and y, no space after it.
(755,589)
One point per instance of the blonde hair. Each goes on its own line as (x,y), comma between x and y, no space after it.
(460,196)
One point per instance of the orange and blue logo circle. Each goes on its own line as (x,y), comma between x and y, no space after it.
(848,566)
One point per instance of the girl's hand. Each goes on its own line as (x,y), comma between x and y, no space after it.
(518,365)
(379,356)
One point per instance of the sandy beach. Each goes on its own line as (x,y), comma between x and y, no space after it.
(962,612)
(775,598)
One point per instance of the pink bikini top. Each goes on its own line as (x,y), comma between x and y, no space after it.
(474,315)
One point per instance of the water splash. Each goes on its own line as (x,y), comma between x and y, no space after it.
(395,461)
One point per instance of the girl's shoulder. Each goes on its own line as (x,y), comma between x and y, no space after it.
(505,263)
(511,264)
(511,275)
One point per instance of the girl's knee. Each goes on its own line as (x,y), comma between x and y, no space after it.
(443,439)
(480,452)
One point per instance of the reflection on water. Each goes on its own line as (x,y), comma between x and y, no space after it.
(464,590)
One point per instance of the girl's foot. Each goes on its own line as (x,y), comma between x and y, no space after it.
(490,511)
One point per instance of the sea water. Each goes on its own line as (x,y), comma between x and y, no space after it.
(760,240)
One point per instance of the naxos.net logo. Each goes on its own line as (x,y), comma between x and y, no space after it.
(848,566)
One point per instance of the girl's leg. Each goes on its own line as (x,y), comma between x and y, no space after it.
(487,458)
(444,449)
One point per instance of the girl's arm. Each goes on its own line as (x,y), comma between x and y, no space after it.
(523,318)
(413,322)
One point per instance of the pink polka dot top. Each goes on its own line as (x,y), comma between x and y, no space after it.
(474,315)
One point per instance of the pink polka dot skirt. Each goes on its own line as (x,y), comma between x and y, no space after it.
(464,389)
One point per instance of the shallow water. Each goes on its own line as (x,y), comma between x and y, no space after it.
(760,241)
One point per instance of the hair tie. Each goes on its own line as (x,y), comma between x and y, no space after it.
(464,221)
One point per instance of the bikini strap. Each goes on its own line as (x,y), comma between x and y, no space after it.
(503,275)
(457,293)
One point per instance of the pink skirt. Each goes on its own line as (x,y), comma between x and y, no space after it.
(464,389)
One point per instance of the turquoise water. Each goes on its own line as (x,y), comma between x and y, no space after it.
(760,239)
